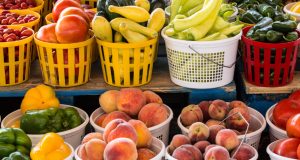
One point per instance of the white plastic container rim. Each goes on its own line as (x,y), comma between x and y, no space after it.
(66,134)
(278,131)
(169,157)
(157,145)
(70,157)
(274,156)
(248,136)
(287,8)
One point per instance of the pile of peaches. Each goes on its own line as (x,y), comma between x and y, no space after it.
(132,103)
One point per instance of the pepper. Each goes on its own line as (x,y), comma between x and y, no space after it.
(279,16)
(49,120)
(251,16)
(266,10)
(16,156)
(263,23)
(13,139)
(286,26)
(262,33)
(274,36)
(291,36)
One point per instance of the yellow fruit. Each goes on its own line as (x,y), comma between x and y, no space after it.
(118,37)
(131,36)
(51,142)
(143,3)
(157,19)
(102,28)
(135,13)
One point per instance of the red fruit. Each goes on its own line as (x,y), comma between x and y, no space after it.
(24,5)
(287,148)
(293,126)
(26,33)
(61,5)
(47,33)
(75,11)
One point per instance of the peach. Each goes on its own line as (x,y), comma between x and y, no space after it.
(237,132)
(119,128)
(217,153)
(245,152)
(237,104)
(195,151)
(209,147)
(177,141)
(108,100)
(145,154)
(213,130)
(152,97)
(235,121)
(99,120)
(115,115)
(82,153)
(191,114)
(153,114)
(204,105)
(95,149)
(144,137)
(121,149)
(227,138)
(218,109)
(183,154)
(198,131)
(212,122)
(201,145)
(131,101)
(93,135)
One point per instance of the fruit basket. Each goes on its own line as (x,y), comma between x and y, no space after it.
(273,156)
(72,136)
(160,131)
(257,125)
(65,65)
(134,68)
(38,8)
(15,60)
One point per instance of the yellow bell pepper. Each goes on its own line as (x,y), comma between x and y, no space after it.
(50,147)
(16,124)
(40,97)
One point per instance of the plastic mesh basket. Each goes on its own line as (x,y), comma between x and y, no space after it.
(160,131)
(196,64)
(275,132)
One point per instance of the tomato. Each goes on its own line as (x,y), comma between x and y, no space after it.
(295,95)
(284,110)
(66,61)
(90,14)
(47,33)
(71,28)
(293,126)
(287,148)
(61,5)
(298,152)
(76,11)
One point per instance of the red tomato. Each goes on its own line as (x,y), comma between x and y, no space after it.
(287,148)
(71,28)
(47,33)
(295,95)
(61,5)
(75,11)
(284,110)
(293,126)
(298,152)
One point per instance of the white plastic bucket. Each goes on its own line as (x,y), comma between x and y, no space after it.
(72,136)
(169,157)
(157,146)
(257,124)
(274,156)
(70,157)
(288,11)
(212,66)
(160,131)
(274,131)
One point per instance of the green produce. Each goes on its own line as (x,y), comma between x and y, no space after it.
(190,4)
(232,29)
(279,16)
(251,16)
(175,5)
(227,10)
(266,10)
(210,37)
(219,24)
(16,156)
(50,120)
(261,34)
(274,36)
(13,139)
(263,23)
(286,26)
(291,36)
(194,10)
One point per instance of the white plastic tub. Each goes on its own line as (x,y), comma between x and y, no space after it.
(72,136)
(160,131)
(287,10)
(70,157)
(257,123)
(274,156)
(157,146)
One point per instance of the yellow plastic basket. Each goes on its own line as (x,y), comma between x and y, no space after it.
(65,65)
(48,6)
(48,18)
(127,64)
(15,60)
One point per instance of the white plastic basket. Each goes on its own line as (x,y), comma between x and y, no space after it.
(195,64)
(72,136)
(160,131)
(70,157)
(274,131)
(257,124)
(157,146)
(169,157)
(274,156)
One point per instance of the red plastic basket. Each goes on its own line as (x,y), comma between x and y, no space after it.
(269,64)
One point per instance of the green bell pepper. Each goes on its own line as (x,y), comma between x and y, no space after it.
(251,16)
(13,139)
(16,156)
(50,120)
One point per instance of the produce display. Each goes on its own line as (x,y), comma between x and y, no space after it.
(201,21)
(17,4)
(288,148)
(9,34)
(296,8)
(16,156)
(8,18)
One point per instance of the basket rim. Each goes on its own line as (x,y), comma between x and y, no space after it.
(18,42)
(271,153)
(167,38)
(25,12)
(40,4)
(268,116)
(252,134)
(287,10)
(126,45)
